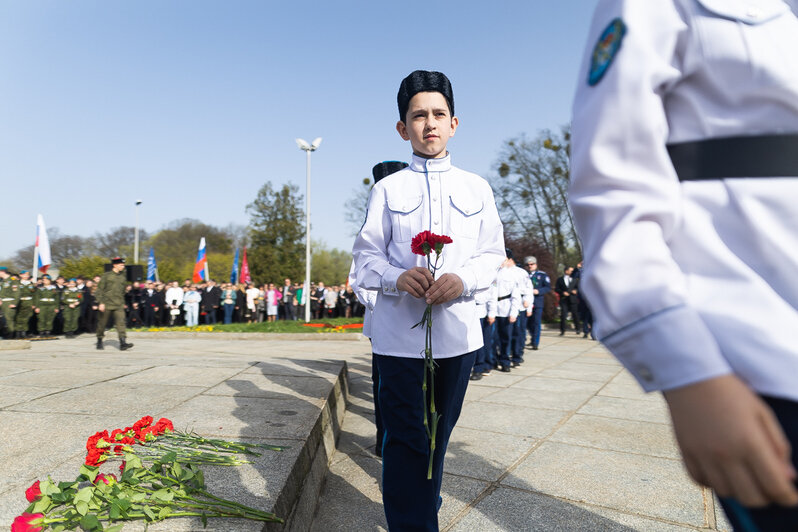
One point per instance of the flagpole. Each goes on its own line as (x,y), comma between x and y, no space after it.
(36,260)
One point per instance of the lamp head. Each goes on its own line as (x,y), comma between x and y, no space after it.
(316,142)
(138,202)
(303,145)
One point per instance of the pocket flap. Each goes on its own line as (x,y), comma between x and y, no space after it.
(404,204)
(747,11)
(466,203)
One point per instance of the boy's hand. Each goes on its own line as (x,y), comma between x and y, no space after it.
(415,281)
(447,287)
(732,442)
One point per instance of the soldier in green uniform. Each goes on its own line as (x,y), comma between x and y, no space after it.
(71,298)
(9,298)
(110,297)
(46,303)
(27,291)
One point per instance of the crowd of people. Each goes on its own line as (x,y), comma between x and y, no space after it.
(58,306)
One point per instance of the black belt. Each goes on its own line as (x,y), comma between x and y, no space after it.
(729,157)
(504,297)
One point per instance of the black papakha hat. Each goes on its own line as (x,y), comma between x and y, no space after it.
(117,260)
(423,81)
(386,168)
(508,252)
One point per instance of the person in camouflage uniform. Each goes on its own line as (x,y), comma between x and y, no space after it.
(27,291)
(110,297)
(46,303)
(9,298)
(71,298)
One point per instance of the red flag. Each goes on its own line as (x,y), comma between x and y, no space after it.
(201,266)
(245,277)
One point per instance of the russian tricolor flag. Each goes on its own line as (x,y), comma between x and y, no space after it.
(201,266)
(42,247)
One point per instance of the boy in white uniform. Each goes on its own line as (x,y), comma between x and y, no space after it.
(684,192)
(433,195)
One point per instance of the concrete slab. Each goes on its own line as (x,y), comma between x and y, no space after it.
(639,437)
(528,422)
(643,485)
(653,411)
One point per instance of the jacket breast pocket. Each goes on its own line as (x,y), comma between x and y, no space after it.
(464,213)
(406,217)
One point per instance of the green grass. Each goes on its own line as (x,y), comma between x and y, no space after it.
(284,326)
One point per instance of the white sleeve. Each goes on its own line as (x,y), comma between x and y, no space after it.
(625,198)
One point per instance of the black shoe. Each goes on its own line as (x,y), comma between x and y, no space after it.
(504,369)
(100,344)
(584,335)
(534,348)
(123,345)
(515,364)
(475,376)
(562,333)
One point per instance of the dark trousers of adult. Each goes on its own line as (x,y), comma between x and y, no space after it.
(586,316)
(118,320)
(533,324)
(504,329)
(210,316)
(409,499)
(566,307)
(772,518)
(289,311)
(375,388)
(150,316)
(519,336)
(228,312)
(484,359)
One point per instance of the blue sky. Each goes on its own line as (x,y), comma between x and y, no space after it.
(192,105)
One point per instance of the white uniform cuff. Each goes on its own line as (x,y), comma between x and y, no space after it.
(469,281)
(389,279)
(668,349)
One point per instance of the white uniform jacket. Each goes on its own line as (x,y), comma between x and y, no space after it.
(486,302)
(432,195)
(525,287)
(696,279)
(508,289)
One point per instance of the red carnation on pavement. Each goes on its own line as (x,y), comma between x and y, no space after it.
(34,493)
(424,242)
(28,523)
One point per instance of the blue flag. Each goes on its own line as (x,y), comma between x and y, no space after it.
(152,267)
(234,271)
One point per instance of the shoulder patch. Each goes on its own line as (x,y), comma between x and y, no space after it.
(606,48)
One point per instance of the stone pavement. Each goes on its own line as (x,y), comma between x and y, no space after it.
(566,442)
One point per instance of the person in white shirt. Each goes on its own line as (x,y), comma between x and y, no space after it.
(174,300)
(684,185)
(508,307)
(433,195)
(191,301)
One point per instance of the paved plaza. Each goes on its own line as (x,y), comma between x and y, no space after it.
(565,442)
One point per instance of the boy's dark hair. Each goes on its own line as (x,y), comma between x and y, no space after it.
(423,81)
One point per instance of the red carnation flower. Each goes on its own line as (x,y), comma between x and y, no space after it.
(163,425)
(146,421)
(28,523)
(122,467)
(424,242)
(34,493)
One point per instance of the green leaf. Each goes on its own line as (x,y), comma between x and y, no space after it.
(177,470)
(124,504)
(41,506)
(165,512)
(138,497)
(163,495)
(115,512)
(90,522)
(149,513)
(90,472)
(115,528)
(85,494)
(82,507)
(204,521)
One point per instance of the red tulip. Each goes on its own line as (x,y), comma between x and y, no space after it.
(28,523)
(34,493)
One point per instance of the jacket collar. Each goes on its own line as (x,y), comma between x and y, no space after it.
(420,164)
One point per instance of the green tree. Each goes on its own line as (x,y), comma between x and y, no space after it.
(176,248)
(531,193)
(355,207)
(330,266)
(276,234)
(87,266)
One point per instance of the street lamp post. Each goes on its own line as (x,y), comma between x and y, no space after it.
(136,238)
(307,148)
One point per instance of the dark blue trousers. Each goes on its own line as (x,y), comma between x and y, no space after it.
(409,499)
(505,332)
(519,336)
(534,323)
(375,387)
(773,518)
(484,358)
